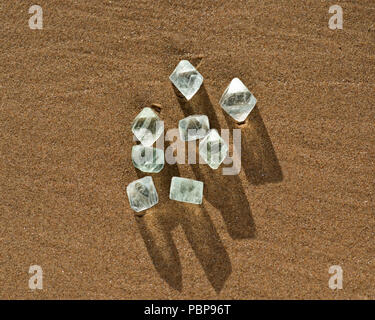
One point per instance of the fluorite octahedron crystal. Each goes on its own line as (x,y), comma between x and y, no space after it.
(213,149)
(186,79)
(186,190)
(237,100)
(193,127)
(147,159)
(142,194)
(147,127)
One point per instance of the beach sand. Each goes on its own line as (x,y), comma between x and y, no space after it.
(303,201)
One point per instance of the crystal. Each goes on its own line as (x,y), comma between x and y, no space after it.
(186,79)
(186,190)
(147,127)
(237,100)
(142,194)
(147,159)
(193,127)
(213,149)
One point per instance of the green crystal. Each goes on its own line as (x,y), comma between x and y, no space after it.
(147,159)
(186,190)
(186,79)
(213,149)
(147,127)
(142,194)
(237,100)
(193,127)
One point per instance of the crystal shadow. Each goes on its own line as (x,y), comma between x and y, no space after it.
(225,193)
(259,160)
(156,228)
(160,247)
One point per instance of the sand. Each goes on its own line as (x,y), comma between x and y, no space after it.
(303,201)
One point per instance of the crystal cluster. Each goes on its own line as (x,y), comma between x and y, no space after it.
(142,194)
(193,127)
(186,190)
(186,79)
(237,100)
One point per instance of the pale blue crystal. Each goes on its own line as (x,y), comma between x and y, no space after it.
(147,159)
(193,127)
(147,127)
(186,190)
(142,194)
(237,100)
(213,149)
(186,79)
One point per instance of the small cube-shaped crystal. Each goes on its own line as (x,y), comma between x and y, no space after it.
(142,194)
(147,127)
(193,127)
(186,79)
(186,190)
(237,100)
(213,149)
(147,159)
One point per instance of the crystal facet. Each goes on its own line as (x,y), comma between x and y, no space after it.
(237,100)
(142,194)
(186,190)
(147,159)
(186,79)
(213,149)
(193,127)
(147,127)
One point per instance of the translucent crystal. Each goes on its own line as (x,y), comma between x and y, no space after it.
(186,79)
(147,127)
(237,100)
(193,127)
(142,194)
(213,149)
(147,159)
(186,190)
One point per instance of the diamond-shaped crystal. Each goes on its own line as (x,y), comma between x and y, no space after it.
(147,127)
(193,127)
(237,100)
(186,190)
(147,159)
(213,149)
(186,79)
(142,194)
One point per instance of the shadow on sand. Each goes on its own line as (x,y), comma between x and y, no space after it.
(259,160)
(156,228)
